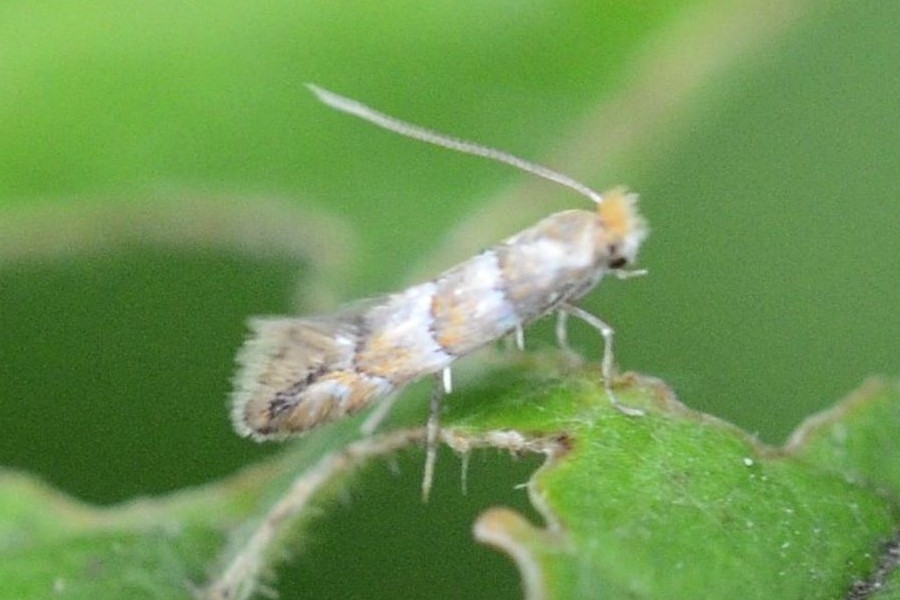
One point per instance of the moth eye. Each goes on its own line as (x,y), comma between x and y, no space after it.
(618,262)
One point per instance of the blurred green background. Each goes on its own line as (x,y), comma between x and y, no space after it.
(164,174)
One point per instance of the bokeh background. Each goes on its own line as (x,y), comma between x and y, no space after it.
(164,174)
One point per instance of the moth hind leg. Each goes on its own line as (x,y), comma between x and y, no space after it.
(440,387)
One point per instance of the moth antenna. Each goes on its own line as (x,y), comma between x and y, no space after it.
(390,123)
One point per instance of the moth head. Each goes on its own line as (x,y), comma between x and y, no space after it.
(624,230)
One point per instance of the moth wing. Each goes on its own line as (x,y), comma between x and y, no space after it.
(283,355)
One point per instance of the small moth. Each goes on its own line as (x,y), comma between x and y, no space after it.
(298,373)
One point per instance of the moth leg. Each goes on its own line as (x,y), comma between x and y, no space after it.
(604,329)
(623,274)
(562,333)
(606,364)
(378,414)
(464,473)
(447,380)
(515,338)
(432,429)
(562,338)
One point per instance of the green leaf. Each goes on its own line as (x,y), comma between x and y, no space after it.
(163,175)
(55,547)
(682,505)
(674,504)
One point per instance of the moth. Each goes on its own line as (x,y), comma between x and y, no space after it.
(296,373)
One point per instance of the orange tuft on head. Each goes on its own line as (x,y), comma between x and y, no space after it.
(619,212)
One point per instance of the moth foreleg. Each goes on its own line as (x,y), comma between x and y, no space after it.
(607,365)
